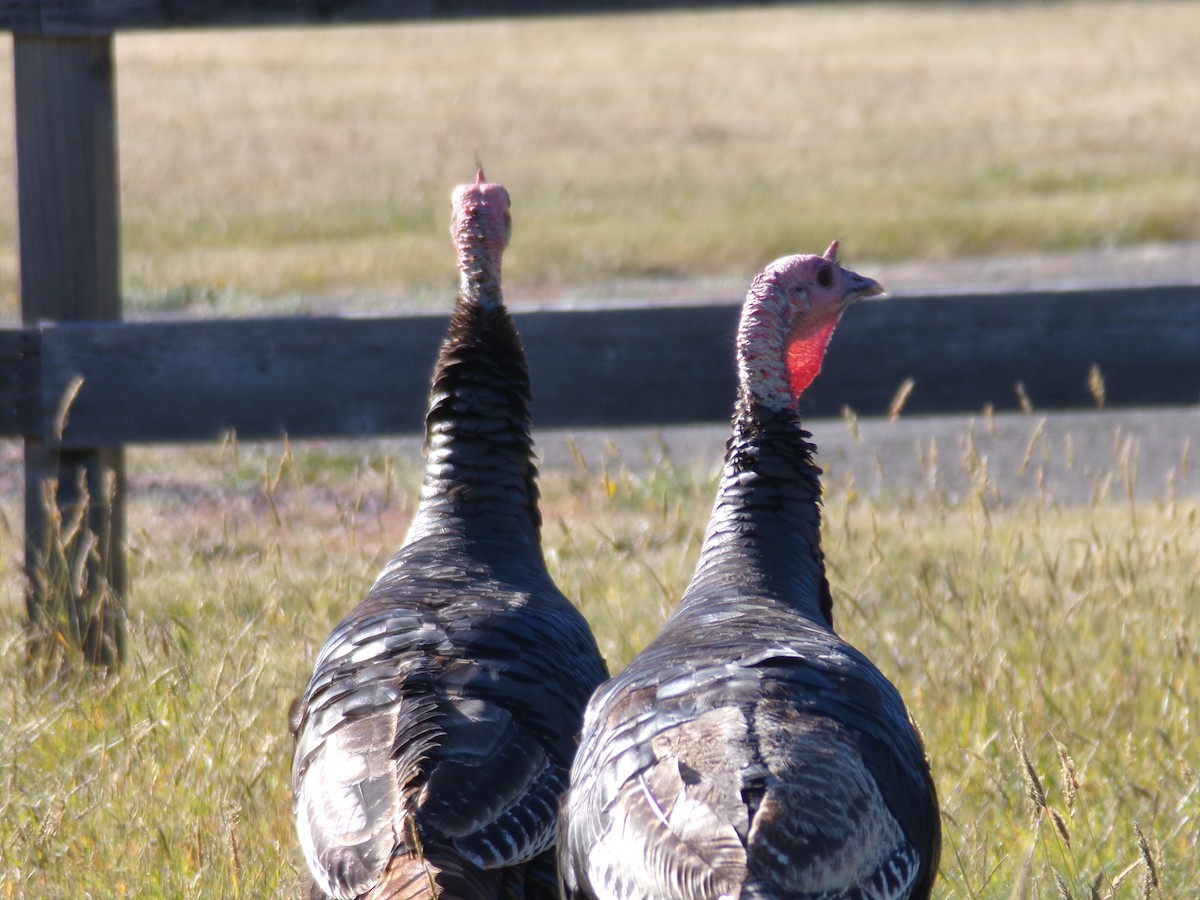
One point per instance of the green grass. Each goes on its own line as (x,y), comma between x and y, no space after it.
(262,170)
(1046,651)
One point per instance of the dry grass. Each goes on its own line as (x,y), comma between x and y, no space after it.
(1049,652)
(280,164)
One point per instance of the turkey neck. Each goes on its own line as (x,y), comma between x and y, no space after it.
(480,475)
(479,260)
(763,542)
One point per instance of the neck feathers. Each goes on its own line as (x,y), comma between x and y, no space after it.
(764,537)
(480,471)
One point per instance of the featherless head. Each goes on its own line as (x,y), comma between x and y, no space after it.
(788,318)
(481,225)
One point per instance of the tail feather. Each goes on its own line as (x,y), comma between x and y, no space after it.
(445,876)
(536,880)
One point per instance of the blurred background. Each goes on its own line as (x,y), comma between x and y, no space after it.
(308,169)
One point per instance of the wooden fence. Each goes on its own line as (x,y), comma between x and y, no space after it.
(103,384)
(76,384)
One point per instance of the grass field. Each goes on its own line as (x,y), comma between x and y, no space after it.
(1049,651)
(262,170)
(1051,655)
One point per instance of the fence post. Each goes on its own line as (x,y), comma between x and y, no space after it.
(70,270)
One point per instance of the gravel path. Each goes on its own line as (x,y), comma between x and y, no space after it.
(1068,458)
(1141,266)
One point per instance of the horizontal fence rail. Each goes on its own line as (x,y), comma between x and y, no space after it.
(78,18)
(102,384)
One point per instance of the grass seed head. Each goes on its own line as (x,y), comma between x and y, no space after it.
(1070,776)
(1034,792)
(1060,826)
(1150,873)
(1096,386)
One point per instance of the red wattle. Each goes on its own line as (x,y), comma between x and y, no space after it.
(805,353)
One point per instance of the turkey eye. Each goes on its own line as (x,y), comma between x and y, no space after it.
(825,276)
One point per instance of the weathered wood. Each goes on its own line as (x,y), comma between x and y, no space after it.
(69,239)
(93,17)
(338,377)
(20,383)
(967,351)
(192,381)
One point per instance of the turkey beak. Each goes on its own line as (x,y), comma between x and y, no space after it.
(859,286)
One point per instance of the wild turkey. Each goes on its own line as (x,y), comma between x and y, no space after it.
(748,751)
(435,736)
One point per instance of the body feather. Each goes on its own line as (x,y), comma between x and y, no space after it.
(434,738)
(748,751)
